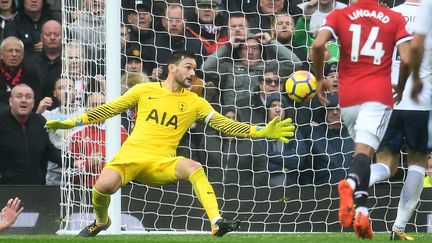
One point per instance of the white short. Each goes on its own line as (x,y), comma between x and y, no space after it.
(367,122)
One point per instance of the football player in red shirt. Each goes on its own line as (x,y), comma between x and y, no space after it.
(367,33)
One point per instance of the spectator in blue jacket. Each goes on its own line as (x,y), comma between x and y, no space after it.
(332,147)
(285,160)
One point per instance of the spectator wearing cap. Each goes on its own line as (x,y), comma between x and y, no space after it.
(27,24)
(155,52)
(285,160)
(208,25)
(48,63)
(139,21)
(133,63)
(332,147)
(331,74)
(238,65)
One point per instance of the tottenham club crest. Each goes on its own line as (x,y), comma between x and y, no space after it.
(182,106)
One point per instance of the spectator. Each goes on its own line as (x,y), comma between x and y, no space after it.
(250,7)
(316,10)
(237,31)
(124,37)
(239,65)
(238,27)
(332,147)
(48,63)
(27,24)
(208,25)
(88,145)
(14,72)
(78,71)
(7,13)
(155,53)
(133,60)
(10,213)
(283,31)
(267,10)
(254,110)
(285,160)
(89,30)
(64,94)
(307,26)
(140,22)
(24,143)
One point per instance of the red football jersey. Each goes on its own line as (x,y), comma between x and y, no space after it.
(367,34)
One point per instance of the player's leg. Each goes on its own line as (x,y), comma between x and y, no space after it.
(387,156)
(416,124)
(369,128)
(385,166)
(187,169)
(109,181)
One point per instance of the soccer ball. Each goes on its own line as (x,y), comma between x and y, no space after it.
(301,86)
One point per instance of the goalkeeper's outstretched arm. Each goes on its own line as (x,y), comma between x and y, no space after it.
(95,115)
(275,129)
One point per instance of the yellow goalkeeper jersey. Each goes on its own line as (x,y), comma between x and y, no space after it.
(162,119)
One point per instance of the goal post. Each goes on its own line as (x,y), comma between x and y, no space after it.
(113,75)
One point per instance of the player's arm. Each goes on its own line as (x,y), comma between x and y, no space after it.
(404,72)
(276,129)
(417,50)
(318,49)
(100,113)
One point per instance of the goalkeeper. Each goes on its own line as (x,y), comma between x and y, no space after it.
(165,112)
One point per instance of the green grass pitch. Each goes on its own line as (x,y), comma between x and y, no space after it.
(202,238)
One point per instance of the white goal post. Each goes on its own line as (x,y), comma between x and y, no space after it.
(242,180)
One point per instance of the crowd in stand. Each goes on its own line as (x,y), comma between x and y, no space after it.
(245,50)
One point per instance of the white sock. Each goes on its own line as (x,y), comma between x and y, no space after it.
(362,210)
(215,219)
(410,195)
(352,183)
(379,172)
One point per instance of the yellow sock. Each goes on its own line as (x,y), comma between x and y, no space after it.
(100,203)
(205,193)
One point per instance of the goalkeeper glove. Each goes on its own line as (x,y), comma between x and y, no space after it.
(53,125)
(277,129)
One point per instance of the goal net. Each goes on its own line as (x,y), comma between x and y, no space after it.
(269,186)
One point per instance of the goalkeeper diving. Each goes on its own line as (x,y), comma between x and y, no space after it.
(165,110)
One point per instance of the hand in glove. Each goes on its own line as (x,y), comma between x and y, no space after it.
(53,125)
(276,129)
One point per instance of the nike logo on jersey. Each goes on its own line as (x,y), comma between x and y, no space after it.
(152,98)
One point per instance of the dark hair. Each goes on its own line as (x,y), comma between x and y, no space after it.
(177,56)
(272,67)
(237,14)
